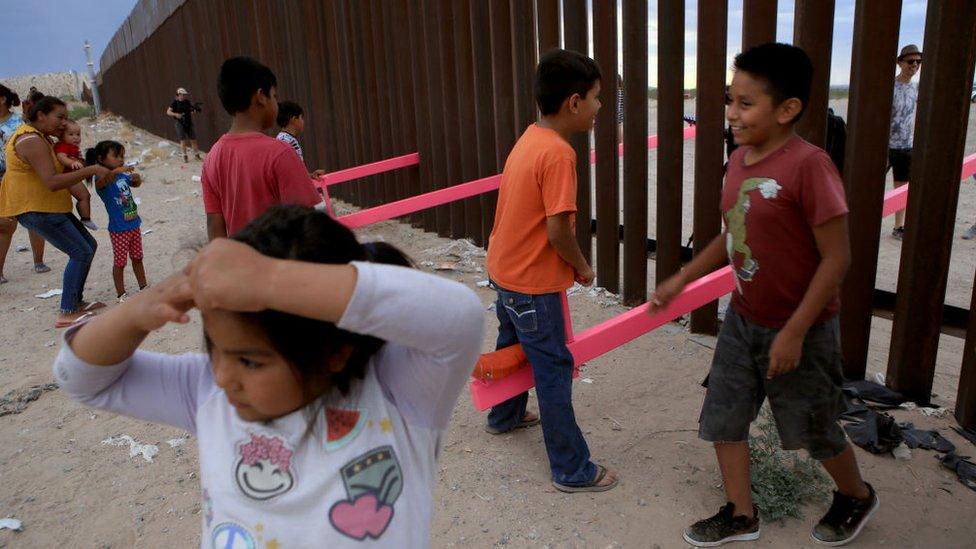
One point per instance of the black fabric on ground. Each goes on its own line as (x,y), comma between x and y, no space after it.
(967,434)
(877,434)
(870,391)
(926,440)
(965,469)
(855,411)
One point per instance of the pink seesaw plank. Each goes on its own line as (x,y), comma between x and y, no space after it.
(420,202)
(609,335)
(366,170)
(688,133)
(896,200)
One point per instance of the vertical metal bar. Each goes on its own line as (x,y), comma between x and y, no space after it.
(758,22)
(670,124)
(547,17)
(407,107)
(523,46)
(468,142)
(366,88)
(423,118)
(392,89)
(813,31)
(481,45)
(435,94)
(966,393)
(451,113)
(635,141)
(503,74)
(577,39)
(709,145)
(943,103)
(607,167)
(378,67)
(872,79)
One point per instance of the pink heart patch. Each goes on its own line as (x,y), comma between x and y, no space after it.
(365,516)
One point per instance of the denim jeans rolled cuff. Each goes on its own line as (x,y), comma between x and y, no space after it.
(67,234)
(536,321)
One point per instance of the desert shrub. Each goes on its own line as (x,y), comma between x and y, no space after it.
(77,112)
(782,480)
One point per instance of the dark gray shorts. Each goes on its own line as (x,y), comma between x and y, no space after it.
(806,402)
(184,132)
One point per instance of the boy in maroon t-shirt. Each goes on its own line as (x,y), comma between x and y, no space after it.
(246,171)
(786,239)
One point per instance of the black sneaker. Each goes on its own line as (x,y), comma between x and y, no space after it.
(845,519)
(723,528)
(898,233)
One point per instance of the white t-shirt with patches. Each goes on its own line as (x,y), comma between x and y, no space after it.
(364,474)
(293,141)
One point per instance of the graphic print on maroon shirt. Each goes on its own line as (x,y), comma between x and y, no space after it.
(770,209)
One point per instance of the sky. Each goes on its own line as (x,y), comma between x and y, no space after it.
(47,35)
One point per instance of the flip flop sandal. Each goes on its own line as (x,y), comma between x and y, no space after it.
(593,486)
(41,268)
(93,306)
(68,323)
(520,425)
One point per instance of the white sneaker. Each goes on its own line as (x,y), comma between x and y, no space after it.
(90,224)
(123,297)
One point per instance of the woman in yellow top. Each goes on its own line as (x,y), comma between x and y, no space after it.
(35,192)
(9,121)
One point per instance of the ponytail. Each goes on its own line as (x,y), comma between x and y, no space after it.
(44,105)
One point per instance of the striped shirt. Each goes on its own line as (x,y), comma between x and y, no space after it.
(293,141)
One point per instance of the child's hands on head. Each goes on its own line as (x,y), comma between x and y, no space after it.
(167,301)
(232,276)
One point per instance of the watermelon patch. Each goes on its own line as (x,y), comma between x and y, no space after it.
(342,426)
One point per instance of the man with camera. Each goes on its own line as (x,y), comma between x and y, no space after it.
(182,110)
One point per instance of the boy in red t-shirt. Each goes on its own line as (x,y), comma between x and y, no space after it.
(246,171)
(69,154)
(533,256)
(786,239)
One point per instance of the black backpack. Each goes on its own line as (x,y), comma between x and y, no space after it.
(836,139)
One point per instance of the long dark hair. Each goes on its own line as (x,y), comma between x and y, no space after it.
(304,234)
(12,98)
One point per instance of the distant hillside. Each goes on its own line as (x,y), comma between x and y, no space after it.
(58,84)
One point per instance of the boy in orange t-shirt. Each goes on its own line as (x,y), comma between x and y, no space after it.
(533,256)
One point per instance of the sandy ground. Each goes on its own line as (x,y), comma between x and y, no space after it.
(638,411)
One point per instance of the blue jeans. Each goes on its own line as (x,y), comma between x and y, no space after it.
(66,233)
(536,321)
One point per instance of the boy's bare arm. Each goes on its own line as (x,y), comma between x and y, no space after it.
(216,226)
(563,239)
(835,253)
(704,262)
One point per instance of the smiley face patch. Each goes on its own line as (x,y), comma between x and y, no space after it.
(263,469)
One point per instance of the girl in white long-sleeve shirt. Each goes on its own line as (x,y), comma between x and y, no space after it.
(327,387)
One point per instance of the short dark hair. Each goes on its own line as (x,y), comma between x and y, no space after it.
(288,110)
(239,78)
(44,105)
(787,71)
(560,74)
(305,234)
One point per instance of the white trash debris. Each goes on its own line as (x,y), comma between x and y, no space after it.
(49,294)
(586,380)
(196,178)
(164,144)
(935,412)
(482,283)
(11,524)
(147,451)
(22,248)
(174,442)
(147,231)
(902,452)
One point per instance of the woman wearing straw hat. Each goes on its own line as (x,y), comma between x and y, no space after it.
(182,110)
(903,124)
